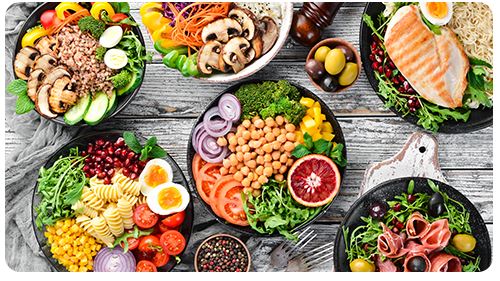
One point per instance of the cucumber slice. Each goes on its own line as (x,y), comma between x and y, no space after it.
(133,84)
(76,113)
(97,110)
(113,102)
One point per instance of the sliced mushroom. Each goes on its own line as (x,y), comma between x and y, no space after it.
(47,62)
(221,30)
(247,20)
(269,33)
(47,44)
(55,73)
(42,101)
(237,52)
(208,58)
(34,82)
(24,62)
(257,44)
(223,66)
(61,95)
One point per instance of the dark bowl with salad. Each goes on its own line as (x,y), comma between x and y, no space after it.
(86,111)
(241,225)
(478,119)
(81,143)
(392,203)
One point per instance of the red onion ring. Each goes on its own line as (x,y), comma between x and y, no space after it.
(115,260)
(229,107)
(214,127)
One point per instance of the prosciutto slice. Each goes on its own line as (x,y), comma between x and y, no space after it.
(437,237)
(385,266)
(414,251)
(443,262)
(391,244)
(417,226)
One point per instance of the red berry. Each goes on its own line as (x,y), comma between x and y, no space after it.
(99,142)
(133,176)
(399,225)
(410,197)
(375,65)
(120,141)
(111,172)
(126,172)
(397,207)
(371,57)
(395,230)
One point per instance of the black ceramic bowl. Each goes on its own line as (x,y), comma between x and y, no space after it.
(81,143)
(478,119)
(339,138)
(122,101)
(385,192)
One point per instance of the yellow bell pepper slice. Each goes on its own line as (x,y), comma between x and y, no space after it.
(150,7)
(162,33)
(327,136)
(308,122)
(96,9)
(307,102)
(154,20)
(327,127)
(67,7)
(35,33)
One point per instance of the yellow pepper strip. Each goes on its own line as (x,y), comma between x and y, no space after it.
(151,7)
(162,34)
(96,9)
(67,7)
(30,37)
(154,20)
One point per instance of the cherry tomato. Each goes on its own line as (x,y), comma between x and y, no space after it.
(144,217)
(174,220)
(206,179)
(198,163)
(119,17)
(160,258)
(230,204)
(172,242)
(140,255)
(132,242)
(146,266)
(149,243)
(47,18)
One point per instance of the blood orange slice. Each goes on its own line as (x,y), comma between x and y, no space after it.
(314,180)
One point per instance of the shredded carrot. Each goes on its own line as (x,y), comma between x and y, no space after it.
(72,18)
(187,30)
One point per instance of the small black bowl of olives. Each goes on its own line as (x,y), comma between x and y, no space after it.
(333,65)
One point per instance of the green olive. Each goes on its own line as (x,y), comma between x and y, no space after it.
(360,265)
(464,242)
(321,53)
(348,74)
(335,61)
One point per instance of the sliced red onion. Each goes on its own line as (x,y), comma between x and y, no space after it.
(214,127)
(209,144)
(196,134)
(212,158)
(229,107)
(115,260)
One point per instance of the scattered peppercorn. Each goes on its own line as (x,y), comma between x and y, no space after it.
(222,254)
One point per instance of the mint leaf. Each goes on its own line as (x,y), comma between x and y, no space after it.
(24,104)
(300,151)
(157,152)
(132,142)
(336,155)
(308,142)
(17,87)
(151,142)
(321,146)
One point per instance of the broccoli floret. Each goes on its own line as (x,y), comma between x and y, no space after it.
(252,97)
(121,79)
(94,27)
(99,53)
(290,109)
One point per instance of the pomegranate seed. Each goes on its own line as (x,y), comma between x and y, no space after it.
(401,90)
(141,164)
(410,197)
(127,163)
(375,38)
(400,225)
(107,180)
(380,70)
(103,154)
(111,172)
(395,230)
(388,73)
(373,257)
(379,59)
(90,148)
(135,169)
(375,65)
(395,81)
(397,207)
(411,102)
(108,160)
(118,152)
(91,172)
(411,91)
(131,155)
(401,78)
(133,176)
(374,46)
(107,144)
(98,159)
(124,153)
(120,141)
(83,153)
(87,160)
(380,53)
(412,109)
(126,172)
(117,164)
(86,174)
(136,157)
(371,57)
(99,142)
(406,85)
(86,168)
(392,65)
(108,166)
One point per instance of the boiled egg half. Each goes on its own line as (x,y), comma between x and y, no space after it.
(168,198)
(156,172)
(111,36)
(437,13)
(115,58)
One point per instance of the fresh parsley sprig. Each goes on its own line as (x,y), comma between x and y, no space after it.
(150,150)
(320,146)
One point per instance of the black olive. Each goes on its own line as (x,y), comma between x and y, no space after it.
(347,52)
(377,211)
(329,83)
(436,205)
(315,68)
(417,264)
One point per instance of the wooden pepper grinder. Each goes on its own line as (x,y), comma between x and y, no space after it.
(312,18)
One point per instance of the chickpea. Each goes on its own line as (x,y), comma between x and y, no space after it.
(245,170)
(247,190)
(238,148)
(251,128)
(268,148)
(254,144)
(240,165)
(261,133)
(276,155)
(268,172)
(281,138)
(276,145)
(256,192)
(260,151)
(224,171)
(282,149)
(289,146)
(245,182)
(276,164)
(290,127)
(247,156)
(241,141)
(255,118)
(255,135)
(246,135)
(259,123)
(290,136)
(276,132)
(232,148)
(283,158)
(251,176)
(230,135)
(238,176)
(233,140)
(239,156)
(267,130)
(270,137)
(246,123)
(233,170)
(226,163)
(259,170)
(268,164)
(289,162)
(279,177)
(270,122)
(260,159)
(233,160)
(222,141)
(263,140)
(280,120)
(268,157)
(251,164)
(245,148)
(253,154)
(256,184)
(263,179)
(288,153)
(283,169)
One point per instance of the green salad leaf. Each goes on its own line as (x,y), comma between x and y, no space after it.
(320,146)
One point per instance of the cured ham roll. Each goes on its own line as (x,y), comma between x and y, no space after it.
(437,237)
(417,226)
(414,251)
(443,262)
(385,266)
(391,244)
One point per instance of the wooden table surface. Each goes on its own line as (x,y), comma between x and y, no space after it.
(167,106)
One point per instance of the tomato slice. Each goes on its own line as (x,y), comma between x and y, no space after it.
(119,17)
(146,266)
(149,244)
(230,204)
(144,217)
(160,258)
(214,192)
(198,163)
(172,242)
(47,18)
(174,220)
(133,243)
(206,179)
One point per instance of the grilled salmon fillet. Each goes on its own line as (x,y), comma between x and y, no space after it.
(435,65)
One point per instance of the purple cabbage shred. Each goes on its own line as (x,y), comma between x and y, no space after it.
(179,6)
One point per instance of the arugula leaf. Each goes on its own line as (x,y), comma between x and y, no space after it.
(432,27)
(136,233)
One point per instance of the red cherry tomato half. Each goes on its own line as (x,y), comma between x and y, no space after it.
(175,219)
(47,18)
(172,242)
(144,217)
(160,258)
(119,17)
(149,244)
(164,228)
(133,243)
(146,266)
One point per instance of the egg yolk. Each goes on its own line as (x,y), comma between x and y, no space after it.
(437,10)
(169,198)
(155,176)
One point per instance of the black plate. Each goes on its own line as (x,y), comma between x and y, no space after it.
(122,101)
(478,118)
(386,191)
(339,138)
(81,142)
